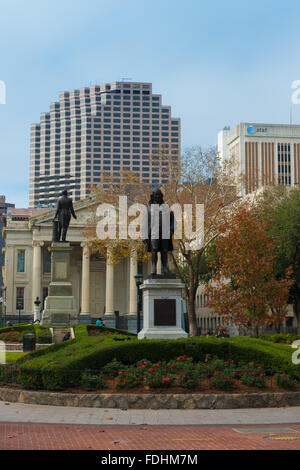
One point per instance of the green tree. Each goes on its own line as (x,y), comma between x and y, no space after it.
(280,208)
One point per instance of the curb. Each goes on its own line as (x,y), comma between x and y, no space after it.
(152,401)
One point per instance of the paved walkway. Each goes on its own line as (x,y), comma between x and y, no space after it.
(66,428)
(21,413)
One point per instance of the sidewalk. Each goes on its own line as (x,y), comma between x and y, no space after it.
(21,413)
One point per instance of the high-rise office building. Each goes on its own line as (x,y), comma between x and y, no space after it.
(264,153)
(107,129)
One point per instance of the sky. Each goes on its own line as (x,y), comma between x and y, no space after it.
(216,63)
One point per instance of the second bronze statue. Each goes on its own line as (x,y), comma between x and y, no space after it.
(158,228)
(64,210)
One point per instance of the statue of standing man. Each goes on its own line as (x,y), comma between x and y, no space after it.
(158,229)
(64,210)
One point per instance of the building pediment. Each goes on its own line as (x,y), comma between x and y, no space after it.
(82,210)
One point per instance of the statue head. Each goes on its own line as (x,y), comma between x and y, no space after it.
(156,197)
(64,193)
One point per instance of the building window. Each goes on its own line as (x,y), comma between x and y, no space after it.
(20,298)
(46,261)
(21,261)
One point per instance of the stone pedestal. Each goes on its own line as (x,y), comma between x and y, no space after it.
(36,314)
(162,308)
(60,306)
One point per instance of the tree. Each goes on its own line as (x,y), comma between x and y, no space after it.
(280,208)
(200,181)
(245,289)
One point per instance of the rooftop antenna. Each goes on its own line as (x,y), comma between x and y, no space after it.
(291,114)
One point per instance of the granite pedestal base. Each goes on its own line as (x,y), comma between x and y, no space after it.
(60,305)
(162,318)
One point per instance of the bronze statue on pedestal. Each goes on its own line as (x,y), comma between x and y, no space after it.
(158,229)
(64,210)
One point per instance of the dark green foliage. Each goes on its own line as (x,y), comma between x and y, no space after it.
(42,333)
(60,366)
(128,378)
(189,378)
(280,338)
(284,381)
(223,381)
(155,377)
(253,375)
(91,381)
(105,329)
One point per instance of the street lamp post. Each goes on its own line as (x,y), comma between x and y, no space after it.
(138,282)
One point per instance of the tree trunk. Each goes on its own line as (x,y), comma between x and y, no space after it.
(192,315)
(278,327)
(256,330)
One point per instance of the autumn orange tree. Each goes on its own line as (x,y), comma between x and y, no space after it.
(245,290)
(199,180)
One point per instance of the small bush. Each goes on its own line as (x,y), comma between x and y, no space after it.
(9,373)
(189,378)
(223,381)
(156,378)
(90,381)
(129,378)
(113,368)
(284,381)
(253,376)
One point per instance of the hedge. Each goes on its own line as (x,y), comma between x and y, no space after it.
(42,333)
(287,338)
(61,368)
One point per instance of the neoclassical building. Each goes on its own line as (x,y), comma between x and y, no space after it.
(100,288)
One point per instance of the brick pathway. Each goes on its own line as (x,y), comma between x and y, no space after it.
(25,436)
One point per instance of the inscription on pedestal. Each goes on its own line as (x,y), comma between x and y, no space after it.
(61,318)
(61,270)
(164,312)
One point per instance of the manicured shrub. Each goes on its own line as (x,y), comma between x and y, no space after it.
(9,373)
(90,381)
(189,378)
(223,381)
(60,366)
(128,378)
(287,338)
(93,329)
(284,381)
(156,378)
(253,376)
(113,368)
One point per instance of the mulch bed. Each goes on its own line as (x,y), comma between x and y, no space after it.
(203,388)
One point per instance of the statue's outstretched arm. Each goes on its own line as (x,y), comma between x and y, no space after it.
(72,211)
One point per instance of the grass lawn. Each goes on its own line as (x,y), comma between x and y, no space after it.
(13,356)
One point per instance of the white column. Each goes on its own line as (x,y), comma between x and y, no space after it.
(36,270)
(109,295)
(85,282)
(132,286)
(158,267)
